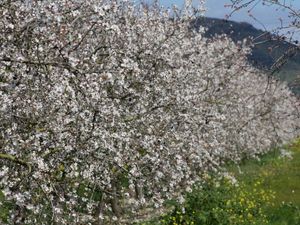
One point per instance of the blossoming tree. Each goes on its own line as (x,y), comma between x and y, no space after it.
(106,109)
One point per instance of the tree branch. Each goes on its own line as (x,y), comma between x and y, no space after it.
(12,158)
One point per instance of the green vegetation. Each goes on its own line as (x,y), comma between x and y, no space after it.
(282,175)
(221,202)
(4,209)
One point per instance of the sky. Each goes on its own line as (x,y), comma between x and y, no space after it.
(268,17)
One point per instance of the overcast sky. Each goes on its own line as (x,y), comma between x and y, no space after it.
(266,15)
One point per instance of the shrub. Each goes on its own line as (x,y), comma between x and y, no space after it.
(220,202)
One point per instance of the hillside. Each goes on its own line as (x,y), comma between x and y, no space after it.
(267,50)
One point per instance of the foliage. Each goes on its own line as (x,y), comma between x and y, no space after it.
(222,202)
(285,214)
(106,108)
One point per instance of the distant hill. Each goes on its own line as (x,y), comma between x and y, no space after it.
(265,53)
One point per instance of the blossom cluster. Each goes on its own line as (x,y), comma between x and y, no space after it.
(106,108)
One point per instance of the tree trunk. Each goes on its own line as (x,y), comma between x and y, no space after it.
(99,212)
(139,194)
(114,200)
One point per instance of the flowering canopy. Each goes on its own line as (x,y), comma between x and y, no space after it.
(106,108)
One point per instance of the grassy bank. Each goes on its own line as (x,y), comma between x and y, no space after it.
(280,172)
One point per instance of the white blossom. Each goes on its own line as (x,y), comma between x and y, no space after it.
(112,103)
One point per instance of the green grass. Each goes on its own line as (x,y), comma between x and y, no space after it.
(281,175)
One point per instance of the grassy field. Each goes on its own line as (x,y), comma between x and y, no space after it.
(280,174)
